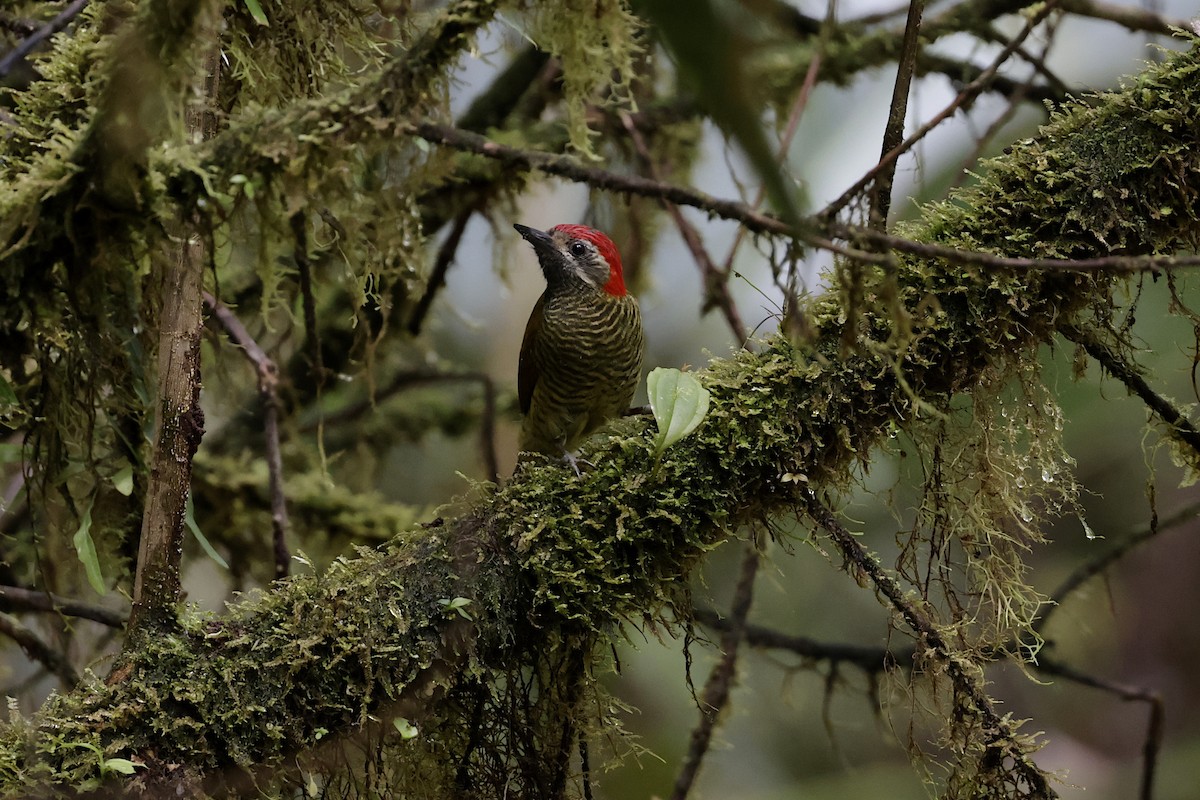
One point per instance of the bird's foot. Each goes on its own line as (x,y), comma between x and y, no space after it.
(574,461)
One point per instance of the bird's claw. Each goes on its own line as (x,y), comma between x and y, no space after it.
(573,461)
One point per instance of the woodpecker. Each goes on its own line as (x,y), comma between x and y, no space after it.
(582,352)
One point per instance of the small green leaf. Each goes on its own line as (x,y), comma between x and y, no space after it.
(86,549)
(189,519)
(679,403)
(121,765)
(256,12)
(406,728)
(458,605)
(123,480)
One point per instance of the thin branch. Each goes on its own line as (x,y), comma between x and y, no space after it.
(268,384)
(1128,374)
(1090,569)
(997,733)
(871,660)
(312,332)
(1019,92)
(1152,744)
(716,281)
(963,100)
(20,599)
(893,131)
(874,660)
(437,276)
(37,649)
(40,35)
(1130,16)
(720,680)
(758,222)
(1054,91)
(785,143)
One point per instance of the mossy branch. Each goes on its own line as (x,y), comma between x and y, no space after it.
(550,560)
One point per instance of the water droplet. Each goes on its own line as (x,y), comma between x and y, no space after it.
(1047,475)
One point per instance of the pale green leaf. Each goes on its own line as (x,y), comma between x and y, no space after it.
(123,480)
(406,728)
(121,765)
(256,12)
(86,549)
(189,519)
(679,403)
(458,605)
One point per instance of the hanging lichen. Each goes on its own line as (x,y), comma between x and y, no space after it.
(596,42)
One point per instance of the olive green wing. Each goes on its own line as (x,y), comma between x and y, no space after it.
(528,371)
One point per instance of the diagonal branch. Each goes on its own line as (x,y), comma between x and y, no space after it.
(43,33)
(997,733)
(759,222)
(1128,374)
(36,648)
(268,385)
(720,680)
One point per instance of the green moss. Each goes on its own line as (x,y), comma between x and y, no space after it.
(597,43)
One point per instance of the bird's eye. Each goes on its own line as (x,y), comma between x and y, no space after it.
(578,249)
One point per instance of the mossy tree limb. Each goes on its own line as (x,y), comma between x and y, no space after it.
(550,562)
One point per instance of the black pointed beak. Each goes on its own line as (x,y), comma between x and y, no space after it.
(543,245)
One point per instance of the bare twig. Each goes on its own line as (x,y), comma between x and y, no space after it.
(268,383)
(1090,569)
(1154,728)
(785,142)
(37,649)
(1054,91)
(720,680)
(312,332)
(997,733)
(963,100)
(874,660)
(40,35)
(18,598)
(1130,16)
(869,659)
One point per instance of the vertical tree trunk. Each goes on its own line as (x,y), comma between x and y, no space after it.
(179,421)
(179,425)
